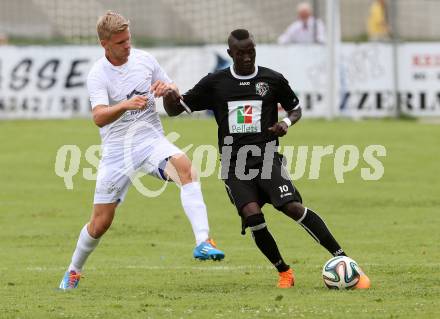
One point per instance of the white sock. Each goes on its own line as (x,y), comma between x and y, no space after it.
(86,244)
(195,209)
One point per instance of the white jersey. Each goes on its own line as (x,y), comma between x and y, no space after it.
(109,85)
(300,32)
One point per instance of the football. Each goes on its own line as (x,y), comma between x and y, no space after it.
(341,273)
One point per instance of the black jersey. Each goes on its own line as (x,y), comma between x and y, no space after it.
(244,106)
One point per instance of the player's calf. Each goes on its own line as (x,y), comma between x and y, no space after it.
(314,225)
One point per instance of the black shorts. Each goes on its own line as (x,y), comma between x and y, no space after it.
(277,190)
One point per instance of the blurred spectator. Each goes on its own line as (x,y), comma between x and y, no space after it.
(306,29)
(3,39)
(377,23)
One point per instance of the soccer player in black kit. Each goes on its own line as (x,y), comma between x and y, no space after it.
(244,99)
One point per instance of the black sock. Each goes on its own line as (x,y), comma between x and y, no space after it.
(265,242)
(316,227)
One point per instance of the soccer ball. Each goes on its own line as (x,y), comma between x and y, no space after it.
(341,272)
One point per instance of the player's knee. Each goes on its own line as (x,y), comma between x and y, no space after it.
(293,209)
(184,169)
(185,175)
(249,209)
(255,222)
(97,228)
(100,222)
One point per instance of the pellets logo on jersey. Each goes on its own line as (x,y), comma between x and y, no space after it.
(262,88)
(244,114)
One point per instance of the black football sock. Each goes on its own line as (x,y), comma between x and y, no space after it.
(265,242)
(316,227)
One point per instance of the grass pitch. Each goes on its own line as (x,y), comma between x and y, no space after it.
(144,268)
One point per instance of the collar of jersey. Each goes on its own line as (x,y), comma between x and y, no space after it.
(243,77)
(119,68)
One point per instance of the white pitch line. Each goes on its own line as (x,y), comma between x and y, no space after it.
(208,268)
(220,268)
(146,267)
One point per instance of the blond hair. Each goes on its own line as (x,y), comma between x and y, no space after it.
(304,6)
(111,23)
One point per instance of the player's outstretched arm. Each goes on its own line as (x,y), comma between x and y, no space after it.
(104,114)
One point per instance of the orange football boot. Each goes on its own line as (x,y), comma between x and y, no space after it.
(364,282)
(286,279)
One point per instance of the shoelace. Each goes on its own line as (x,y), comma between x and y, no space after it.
(73,278)
(212,242)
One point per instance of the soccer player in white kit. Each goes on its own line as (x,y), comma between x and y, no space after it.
(122,86)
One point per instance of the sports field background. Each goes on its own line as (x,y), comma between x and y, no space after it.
(144,268)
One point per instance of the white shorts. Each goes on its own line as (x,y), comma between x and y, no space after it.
(118,167)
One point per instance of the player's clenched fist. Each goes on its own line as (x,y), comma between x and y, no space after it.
(137,102)
(159,88)
(278,129)
(172,94)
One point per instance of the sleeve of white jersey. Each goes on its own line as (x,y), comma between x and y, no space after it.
(97,90)
(158,72)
